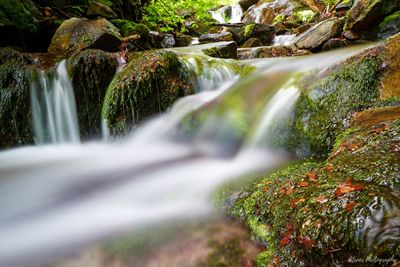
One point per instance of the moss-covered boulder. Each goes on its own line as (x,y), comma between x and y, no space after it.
(216,37)
(128,28)
(367,13)
(77,34)
(226,50)
(15,114)
(390,25)
(333,212)
(148,85)
(265,33)
(20,14)
(91,72)
(328,99)
(99,9)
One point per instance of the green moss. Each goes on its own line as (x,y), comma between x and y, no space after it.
(128,28)
(14,99)
(21,14)
(325,107)
(321,213)
(304,15)
(248,29)
(279,18)
(389,19)
(148,85)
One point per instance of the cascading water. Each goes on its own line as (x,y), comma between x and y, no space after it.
(58,198)
(53,108)
(228,14)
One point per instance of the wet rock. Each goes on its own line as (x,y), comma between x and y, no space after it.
(335,43)
(267,12)
(252,42)
(91,72)
(314,5)
(314,37)
(389,26)
(344,5)
(148,85)
(281,51)
(228,50)
(245,4)
(265,33)
(168,41)
(15,108)
(344,203)
(390,84)
(77,34)
(183,40)
(366,13)
(248,53)
(216,37)
(100,9)
(128,28)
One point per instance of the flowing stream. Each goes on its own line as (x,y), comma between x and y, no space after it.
(228,14)
(57,198)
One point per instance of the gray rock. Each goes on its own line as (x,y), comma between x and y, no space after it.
(100,9)
(389,26)
(252,42)
(314,37)
(226,50)
(168,41)
(216,37)
(245,4)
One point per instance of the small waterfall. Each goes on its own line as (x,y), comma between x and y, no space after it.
(228,14)
(55,199)
(53,108)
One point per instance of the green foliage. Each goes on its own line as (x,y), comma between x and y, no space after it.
(171,14)
(19,13)
(127,28)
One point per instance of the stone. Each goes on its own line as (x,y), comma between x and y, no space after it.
(265,33)
(216,37)
(252,42)
(314,37)
(389,26)
(91,72)
(128,28)
(99,9)
(281,51)
(228,50)
(366,13)
(76,34)
(183,40)
(168,41)
(248,53)
(335,43)
(245,4)
(148,85)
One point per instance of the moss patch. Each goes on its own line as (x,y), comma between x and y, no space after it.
(128,28)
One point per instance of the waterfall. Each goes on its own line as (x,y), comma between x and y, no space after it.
(228,14)
(56,199)
(53,108)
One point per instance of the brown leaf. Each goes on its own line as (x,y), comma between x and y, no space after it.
(289,190)
(347,187)
(308,243)
(265,189)
(312,175)
(284,240)
(303,184)
(321,199)
(329,168)
(350,206)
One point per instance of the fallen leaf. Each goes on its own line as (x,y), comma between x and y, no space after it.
(350,206)
(347,187)
(289,190)
(284,240)
(329,168)
(321,199)
(265,189)
(308,243)
(303,184)
(312,176)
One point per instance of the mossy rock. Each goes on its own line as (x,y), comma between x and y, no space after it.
(329,99)
(77,34)
(21,14)
(148,85)
(128,28)
(15,111)
(228,50)
(330,213)
(91,72)
(390,25)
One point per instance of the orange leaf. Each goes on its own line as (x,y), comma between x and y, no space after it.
(284,240)
(350,206)
(347,187)
(303,184)
(308,243)
(329,168)
(265,189)
(321,199)
(289,190)
(312,176)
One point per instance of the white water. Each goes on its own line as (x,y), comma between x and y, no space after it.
(57,198)
(236,14)
(53,108)
(284,39)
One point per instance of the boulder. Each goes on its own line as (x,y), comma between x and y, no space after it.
(281,51)
(228,50)
(248,53)
(77,34)
(150,83)
(314,37)
(366,13)
(265,33)
(99,9)
(15,108)
(245,4)
(390,25)
(252,42)
(183,40)
(216,37)
(128,28)
(168,41)
(91,72)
